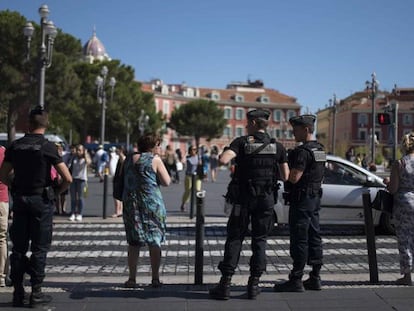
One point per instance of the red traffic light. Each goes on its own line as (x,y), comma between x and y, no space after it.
(384,118)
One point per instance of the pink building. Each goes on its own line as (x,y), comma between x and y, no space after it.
(235,100)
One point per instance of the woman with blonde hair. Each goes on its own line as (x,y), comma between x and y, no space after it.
(401,185)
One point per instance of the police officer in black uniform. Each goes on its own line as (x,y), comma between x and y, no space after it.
(306,164)
(26,169)
(259,160)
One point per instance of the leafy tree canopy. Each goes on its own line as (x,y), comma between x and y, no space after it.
(70,90)
(198,118)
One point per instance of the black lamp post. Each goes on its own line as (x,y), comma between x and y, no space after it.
(373,87)
(333,102)
(101,96)
(48,35)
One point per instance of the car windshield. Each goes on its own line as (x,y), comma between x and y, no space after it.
(340,174)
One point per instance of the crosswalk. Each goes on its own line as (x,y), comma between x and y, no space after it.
(101,249)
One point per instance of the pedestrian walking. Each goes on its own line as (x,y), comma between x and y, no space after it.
(205,162)
(170,162)
(117,182)
(60,201)
(179,164)
(192,161)
(401,184)
(113,160)
(214,163)
(144,211)
(259,160)
(30,159)
(100,159)
(4,220)
(79,185)
(307,165)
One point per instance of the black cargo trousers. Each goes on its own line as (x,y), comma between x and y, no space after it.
(304,229)
(258,211)
(32,224)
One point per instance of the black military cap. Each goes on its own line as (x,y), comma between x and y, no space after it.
(305,120)
(258,114)
(37,110)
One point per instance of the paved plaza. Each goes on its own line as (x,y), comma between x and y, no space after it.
(87,266)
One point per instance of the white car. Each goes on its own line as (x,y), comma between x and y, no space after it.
(341,204)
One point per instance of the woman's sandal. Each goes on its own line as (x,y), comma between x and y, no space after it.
(156,283)
(130,283)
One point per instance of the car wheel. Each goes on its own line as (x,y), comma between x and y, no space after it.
(386,223)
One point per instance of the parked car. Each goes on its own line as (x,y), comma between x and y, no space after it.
(51,137)
(341,203)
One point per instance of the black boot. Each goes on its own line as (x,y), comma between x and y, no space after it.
(222,290)
(313,283)
(253,288)
(293,285)
(38,298)
(19,296)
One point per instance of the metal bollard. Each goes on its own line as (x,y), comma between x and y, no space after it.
(370,233)
(199,247)
(105,192)
(193,195)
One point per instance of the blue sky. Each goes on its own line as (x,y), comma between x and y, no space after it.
(308,49)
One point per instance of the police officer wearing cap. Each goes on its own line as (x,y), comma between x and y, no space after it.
(306,164)
(260,161)
(26,169)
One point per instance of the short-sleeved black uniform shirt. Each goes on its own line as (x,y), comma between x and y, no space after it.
(32,157)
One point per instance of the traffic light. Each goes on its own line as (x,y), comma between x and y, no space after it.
(384,118)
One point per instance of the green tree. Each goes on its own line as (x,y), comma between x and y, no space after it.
(14,84)
(124,106)
(198,118)
(70,90)
(19,87)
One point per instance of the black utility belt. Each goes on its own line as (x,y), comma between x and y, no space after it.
(30,192)
(312,191)
(38,191)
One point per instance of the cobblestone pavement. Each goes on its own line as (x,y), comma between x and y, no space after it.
(87,267)
(97,248)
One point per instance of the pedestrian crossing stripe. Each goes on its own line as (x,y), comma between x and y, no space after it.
(211,253)
(104,246)
(84,225)
(207,269)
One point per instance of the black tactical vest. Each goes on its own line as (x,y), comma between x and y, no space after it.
(312,177)
(256,169)
(32,172)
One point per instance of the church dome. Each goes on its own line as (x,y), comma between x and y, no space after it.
(94,49)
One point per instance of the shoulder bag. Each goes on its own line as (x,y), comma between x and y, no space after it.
(384,201)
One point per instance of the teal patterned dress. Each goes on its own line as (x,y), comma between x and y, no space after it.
(144,211)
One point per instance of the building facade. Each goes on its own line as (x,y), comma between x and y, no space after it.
(235,100)
(348,122)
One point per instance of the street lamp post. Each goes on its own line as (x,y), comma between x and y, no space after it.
(283,129)
(333,103)
(373,87)
(101,96)
(142,122)
(393,130)
(48,33)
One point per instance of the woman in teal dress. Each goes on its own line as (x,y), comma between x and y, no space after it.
(144,211)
